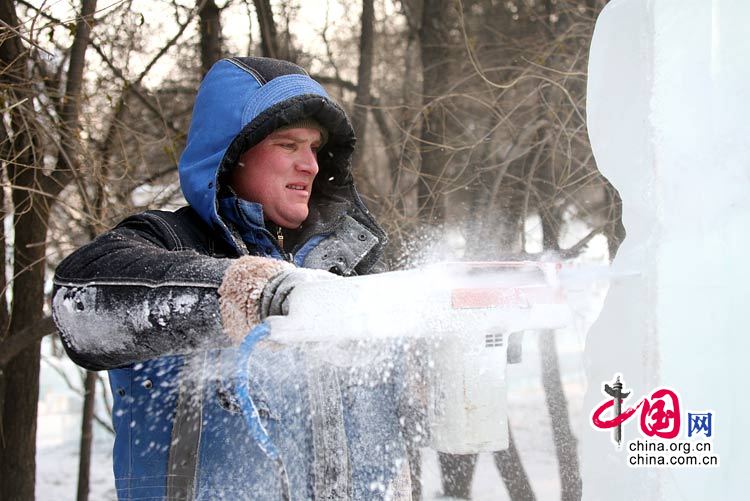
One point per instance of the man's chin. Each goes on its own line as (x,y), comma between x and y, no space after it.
(293,221)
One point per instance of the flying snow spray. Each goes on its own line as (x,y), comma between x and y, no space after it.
(471,313)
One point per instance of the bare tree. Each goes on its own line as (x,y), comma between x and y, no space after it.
(47,110)
(87,420)
(210,33)
(437,28)
(33,192)
(269,38)
(364,78)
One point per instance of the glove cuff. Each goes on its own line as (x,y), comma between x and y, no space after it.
(240,291)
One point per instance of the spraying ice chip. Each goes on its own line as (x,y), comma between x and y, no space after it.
(468,310)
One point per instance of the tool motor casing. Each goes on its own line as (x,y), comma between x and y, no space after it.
(467,406)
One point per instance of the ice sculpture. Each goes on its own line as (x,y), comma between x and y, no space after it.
(668,109)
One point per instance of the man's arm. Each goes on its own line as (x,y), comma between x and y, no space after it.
(134,294)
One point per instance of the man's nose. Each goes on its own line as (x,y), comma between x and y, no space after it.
(308,162)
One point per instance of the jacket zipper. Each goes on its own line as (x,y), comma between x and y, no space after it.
(279,241)
(280,238)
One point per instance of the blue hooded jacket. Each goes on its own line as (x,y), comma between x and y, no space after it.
(141,301)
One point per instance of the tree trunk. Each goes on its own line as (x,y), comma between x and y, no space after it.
(18,466)
(210,28)
(33,194)
(566,445)
(31,333)
(508,463)
(269,39)
(17,418)
(414,456)
(87,419)
(457,473)
(364,78)
(438,20)
(5,150)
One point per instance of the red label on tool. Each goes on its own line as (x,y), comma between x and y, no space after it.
(487,298)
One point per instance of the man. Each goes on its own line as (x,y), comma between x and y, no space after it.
(162,300)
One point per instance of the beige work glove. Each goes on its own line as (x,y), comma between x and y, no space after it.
(240,292)
(254,288)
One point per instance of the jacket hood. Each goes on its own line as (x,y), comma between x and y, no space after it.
(242,100)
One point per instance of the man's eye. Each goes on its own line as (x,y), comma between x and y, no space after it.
(287,146)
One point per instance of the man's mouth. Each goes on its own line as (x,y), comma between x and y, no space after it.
(299,187)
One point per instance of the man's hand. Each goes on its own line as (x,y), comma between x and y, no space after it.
(274,298)
(240,291)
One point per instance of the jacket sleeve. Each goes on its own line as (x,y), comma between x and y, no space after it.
(135,293)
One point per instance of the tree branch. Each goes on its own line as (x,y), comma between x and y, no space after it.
(15,344)
(136,90)
(344,84)
(71,101)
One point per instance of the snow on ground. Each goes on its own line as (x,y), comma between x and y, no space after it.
(57,471)
(59,432)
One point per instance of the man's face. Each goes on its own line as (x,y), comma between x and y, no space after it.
(278,173)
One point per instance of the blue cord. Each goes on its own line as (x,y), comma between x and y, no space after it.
(250,411)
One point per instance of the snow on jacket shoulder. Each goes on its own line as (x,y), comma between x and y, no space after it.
(146,288)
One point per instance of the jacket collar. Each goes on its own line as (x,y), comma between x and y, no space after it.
(246,217)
